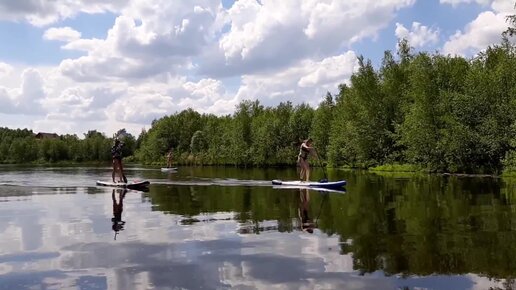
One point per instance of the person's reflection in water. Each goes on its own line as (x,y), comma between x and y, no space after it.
(118,207)
(303,211)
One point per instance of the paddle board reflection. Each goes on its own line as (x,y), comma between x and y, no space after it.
(118,196)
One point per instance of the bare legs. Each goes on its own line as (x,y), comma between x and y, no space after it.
(115,169)
(121,171)
(304,174)
(118,168)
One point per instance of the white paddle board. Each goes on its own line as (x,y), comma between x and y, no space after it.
(315,184)
(168,169)
(132,184)
(318,189)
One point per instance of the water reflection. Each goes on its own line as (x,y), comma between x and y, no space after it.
(118,207)
(304,216)
(385,233)
(417,226)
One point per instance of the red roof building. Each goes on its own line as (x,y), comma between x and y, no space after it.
(42,135)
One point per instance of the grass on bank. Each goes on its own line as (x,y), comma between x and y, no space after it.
(509,173)
(398,168)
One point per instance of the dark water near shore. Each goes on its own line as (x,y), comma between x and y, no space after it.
(222,228)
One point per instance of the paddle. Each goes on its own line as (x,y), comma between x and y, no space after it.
(325,179)
(325,197)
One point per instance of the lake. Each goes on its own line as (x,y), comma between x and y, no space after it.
(228,228)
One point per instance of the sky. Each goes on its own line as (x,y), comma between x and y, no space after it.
(69,66)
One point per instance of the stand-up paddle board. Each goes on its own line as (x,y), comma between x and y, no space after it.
(168,169)
(318,189)
(314,184)
(132,184)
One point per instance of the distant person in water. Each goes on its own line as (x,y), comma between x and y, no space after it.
(118,207)
(169,158)
(302,159)
(118,168)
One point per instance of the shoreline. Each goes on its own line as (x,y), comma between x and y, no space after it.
(386,169)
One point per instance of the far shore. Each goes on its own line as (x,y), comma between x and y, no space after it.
(393,170)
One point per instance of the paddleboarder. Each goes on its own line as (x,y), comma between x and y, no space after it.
(116,153)
(169,158)
(302,159)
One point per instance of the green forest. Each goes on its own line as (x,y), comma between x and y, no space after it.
(416,111)
(433,112)
(21,146)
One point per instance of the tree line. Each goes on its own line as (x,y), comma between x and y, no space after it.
(417,110)
(21,146)
(438,112)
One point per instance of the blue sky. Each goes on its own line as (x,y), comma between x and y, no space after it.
(61,71)
(430,13)
(25,44)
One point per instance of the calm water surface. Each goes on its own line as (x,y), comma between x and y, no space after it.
(227,228)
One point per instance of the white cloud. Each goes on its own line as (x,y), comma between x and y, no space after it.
(65,106)
(330,70)
(25,99)
(485,30)
(164,56)
(6,101)
(141,104)
(65,34)
(83,44)
(419,35)
(308,81)
(5,69)
(142,44)
(41,13)
(504,6)
(496,5)
(74,104)
(455,3)
(44,93)
(266,35)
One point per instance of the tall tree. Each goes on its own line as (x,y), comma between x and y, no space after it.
(321,124)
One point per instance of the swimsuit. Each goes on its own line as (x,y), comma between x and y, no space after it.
(303,152)
(116,151)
